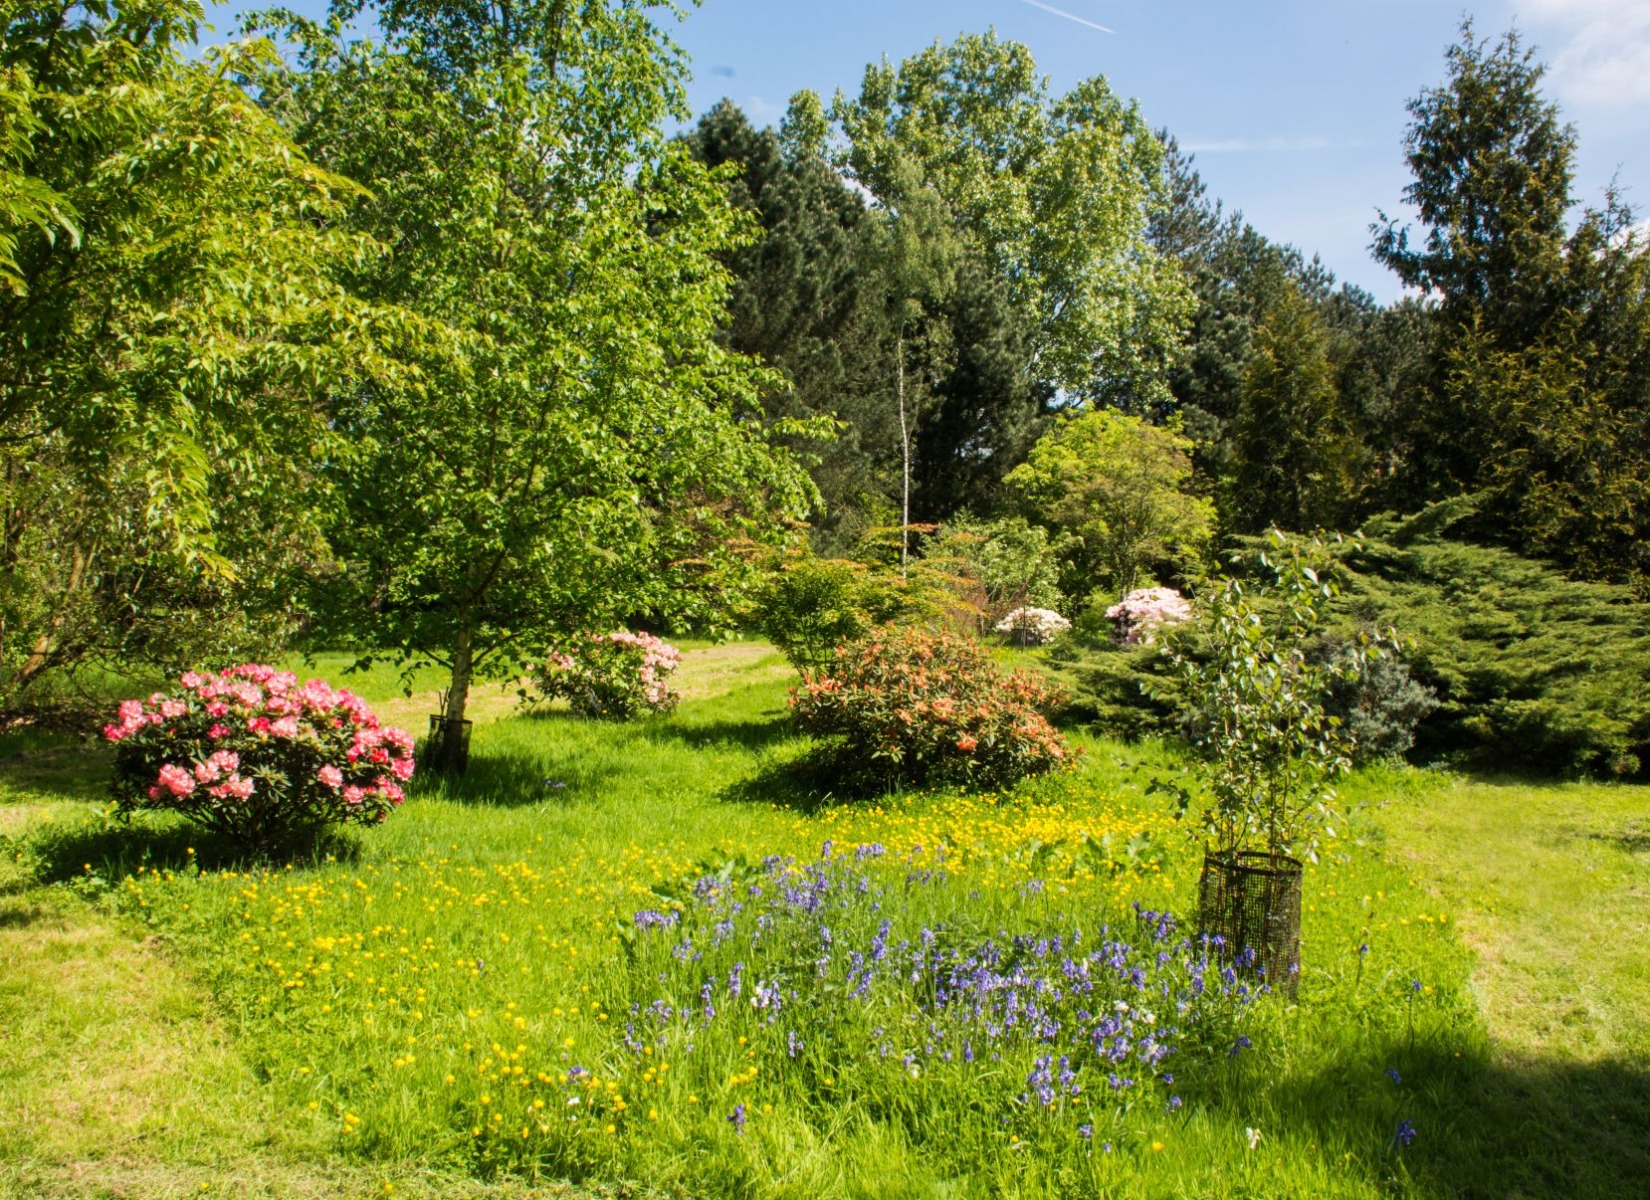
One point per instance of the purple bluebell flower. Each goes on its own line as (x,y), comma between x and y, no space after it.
(1405,1134)
(1392,1074)
(737,1117)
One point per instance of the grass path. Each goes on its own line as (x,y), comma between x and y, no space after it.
(1551,889)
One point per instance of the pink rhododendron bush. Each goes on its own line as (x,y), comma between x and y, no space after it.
(1143,612)
(253,755)
(616,675)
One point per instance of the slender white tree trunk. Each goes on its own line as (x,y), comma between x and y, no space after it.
(905,458)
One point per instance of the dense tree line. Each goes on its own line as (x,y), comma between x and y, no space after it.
(432,342)
(1514,371)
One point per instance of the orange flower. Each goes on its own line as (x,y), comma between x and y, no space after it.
(966,744)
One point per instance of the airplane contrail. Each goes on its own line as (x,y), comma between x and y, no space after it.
(1060,12)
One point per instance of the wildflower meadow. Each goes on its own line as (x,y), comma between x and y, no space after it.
(640,952)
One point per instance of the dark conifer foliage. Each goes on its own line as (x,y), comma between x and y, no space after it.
(801,304)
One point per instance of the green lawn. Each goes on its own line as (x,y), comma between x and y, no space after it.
(387,1017)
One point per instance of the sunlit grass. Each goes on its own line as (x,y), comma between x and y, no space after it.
(404,1003)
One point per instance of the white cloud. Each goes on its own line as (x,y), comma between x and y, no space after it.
(1599,50)
(763,111)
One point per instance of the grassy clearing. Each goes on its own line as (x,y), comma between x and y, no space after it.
(1551,886)
(392,1014)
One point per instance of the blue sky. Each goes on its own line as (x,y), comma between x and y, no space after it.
(1295,108)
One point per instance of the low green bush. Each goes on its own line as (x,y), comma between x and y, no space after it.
(1504,661)
(1380,706)
(1128,692)
(905,707)
(1529,668)
(810,606)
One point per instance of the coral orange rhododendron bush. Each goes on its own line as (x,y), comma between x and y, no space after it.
(252,754)
(919,708)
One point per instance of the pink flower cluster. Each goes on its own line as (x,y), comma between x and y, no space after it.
(659,659)
(613,675)
(1140,614)
(310,753)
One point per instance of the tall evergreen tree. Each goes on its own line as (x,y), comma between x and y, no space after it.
(1236,387)
(1535,396)
(800,302)
(1297,462)
(1492,166)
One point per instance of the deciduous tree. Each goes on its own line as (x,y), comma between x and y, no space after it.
(589,453)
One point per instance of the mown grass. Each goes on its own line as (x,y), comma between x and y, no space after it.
(333,1025)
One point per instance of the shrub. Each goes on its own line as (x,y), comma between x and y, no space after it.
(1012,563)
(251,755)
(1529,668)
(1255,706)
(811,605)
(1128,692)
(1379,706)
(615,676)
(1118,488)
(1139,616)
(905,707)
(1033,626)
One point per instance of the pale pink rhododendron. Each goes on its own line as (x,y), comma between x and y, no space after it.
(615,675)
(1143,612)
(253,754)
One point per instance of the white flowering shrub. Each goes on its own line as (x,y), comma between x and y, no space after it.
(1033,626)
(1139,615)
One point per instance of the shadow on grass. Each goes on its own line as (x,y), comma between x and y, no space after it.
(753,735)
(809,783)
(110,849)
(19,916)
(1634,839)
(1490,1128)
(49,761)
(519,778)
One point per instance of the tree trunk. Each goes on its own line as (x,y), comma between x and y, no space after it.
(905,457)
(42,653)
(450,735)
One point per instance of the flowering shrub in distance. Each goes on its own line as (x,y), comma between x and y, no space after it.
(920,708)
(251,754)
(613,675)
(1144,611)
(1033,626)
